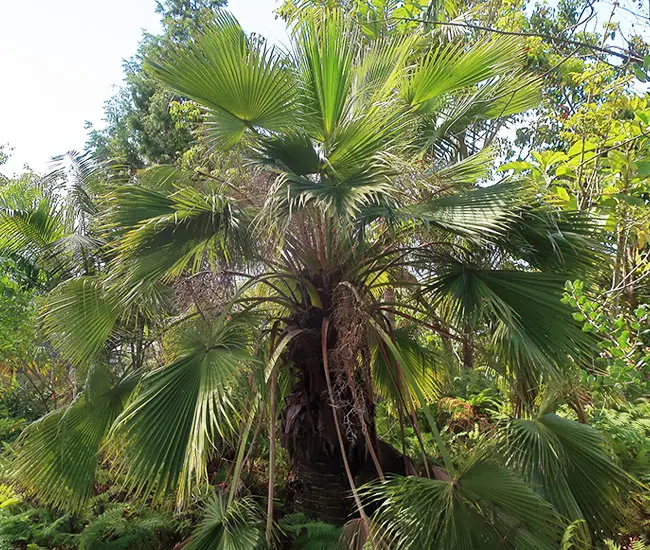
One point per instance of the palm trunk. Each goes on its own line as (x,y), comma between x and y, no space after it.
(308,432)
(328,421)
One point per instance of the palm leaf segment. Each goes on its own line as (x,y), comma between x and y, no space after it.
(164,234)
(196,395)
(240,81)
(184,408)
(44,219)
(532,328)
(228,526)
(570,466)
(486,506)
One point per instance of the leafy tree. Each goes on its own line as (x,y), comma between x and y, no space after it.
(143,123)
(320,283)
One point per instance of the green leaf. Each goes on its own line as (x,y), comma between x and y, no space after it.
(562,194)
(517,166)
(325,48)
(418,366)
(476,510)
(78,317)
(234,526)
(56,456)
(166,234)
(452,67)
(570,466)
(640,73)
(241,81)
(183,408)
(476,214)
(643,168)
(534,330)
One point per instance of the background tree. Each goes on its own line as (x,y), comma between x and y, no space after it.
(145,124)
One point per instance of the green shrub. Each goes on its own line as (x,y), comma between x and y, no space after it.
(628,430)
(119,528)
(36,528)
(308,534)
(10,429)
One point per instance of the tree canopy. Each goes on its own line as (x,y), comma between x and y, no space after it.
(383,288)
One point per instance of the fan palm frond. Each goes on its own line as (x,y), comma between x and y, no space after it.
(570,465)
(240,80)
(56,457)
(552,240)
(418,366)
(534,328)
(229,526)
(486,506)
(324,57)
(454,67)
(78,317)
(182,408)
(163,235)
(479,214)
(29,229)
(467,171)
(78,178)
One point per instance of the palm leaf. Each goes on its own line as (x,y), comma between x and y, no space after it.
(79,177)
(224,526)
(452,67)
(163,235)
(479,214)
(29,229)
(291,151)
(241,81)
(56,456)
(534,328)
(183,408)
(485,507)
(78,317)
(555,240)
(467,171)
(570,465)
(324,54)
(417,365)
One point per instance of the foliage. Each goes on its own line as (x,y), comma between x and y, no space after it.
(228,526)
(307,534)
(570,466)
(628,429)
(449,355)
(486,506)
(125,528)
(620,370)
(120,527)
(146,124)
(36,528)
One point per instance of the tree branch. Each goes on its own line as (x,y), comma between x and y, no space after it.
(558,39)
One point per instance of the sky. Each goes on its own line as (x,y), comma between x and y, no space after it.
(61,59)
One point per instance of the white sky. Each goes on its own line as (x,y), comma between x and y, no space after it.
(61,59)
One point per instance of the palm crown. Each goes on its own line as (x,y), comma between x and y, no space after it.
(327,273)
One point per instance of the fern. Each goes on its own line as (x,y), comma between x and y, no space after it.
(117,529)
(308,534)
(36,527)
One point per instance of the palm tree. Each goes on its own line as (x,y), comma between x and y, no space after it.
(361,227)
